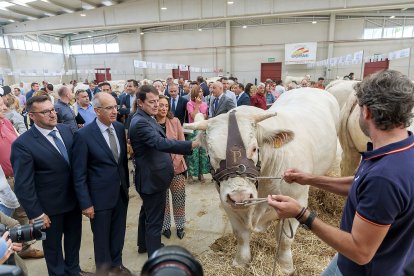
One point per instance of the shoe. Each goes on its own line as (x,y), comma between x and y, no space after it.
(144,250)
(120,270)
(31,253)
(166,233)
(141,250)
(190,180)
(180,233)
(84,273)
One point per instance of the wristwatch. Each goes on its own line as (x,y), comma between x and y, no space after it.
(307,224)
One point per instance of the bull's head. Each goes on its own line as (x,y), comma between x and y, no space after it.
(213,135)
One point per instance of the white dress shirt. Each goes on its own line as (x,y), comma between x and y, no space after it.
(45,132)
(105,134)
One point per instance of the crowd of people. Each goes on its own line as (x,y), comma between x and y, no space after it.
(66,154)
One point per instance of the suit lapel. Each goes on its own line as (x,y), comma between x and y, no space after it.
(220,102)
(43,141)
(121,141)
(101,140)
(152,122)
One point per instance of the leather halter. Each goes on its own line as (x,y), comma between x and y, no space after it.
(236,163)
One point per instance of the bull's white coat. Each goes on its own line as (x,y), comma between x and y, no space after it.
(306,124)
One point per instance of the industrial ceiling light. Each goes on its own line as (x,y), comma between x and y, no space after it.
(107,3)
(82,13)
(244,27)
(230,2)
(199,29)
(163,7)
(392,16)
(141,33)
(11,20)
(89,36)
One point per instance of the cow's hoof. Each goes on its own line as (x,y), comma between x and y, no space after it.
(288,272)
(258,229)
(239,263)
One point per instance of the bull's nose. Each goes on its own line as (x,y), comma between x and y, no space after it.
(238,197)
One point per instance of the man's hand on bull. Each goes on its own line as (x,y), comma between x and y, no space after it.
(297,176)
(195,144)
(286,207)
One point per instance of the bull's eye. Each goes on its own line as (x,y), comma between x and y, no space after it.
(254,149)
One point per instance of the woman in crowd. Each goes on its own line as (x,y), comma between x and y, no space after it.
(12,113)
(198,162)
(173,130)
(259,98)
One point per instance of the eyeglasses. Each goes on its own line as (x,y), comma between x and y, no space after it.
(109,108)
(45,112)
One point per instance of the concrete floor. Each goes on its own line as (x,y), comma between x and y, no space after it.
(206,221)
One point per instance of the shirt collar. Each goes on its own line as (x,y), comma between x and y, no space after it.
(103,127)
(389,149)
(45,131)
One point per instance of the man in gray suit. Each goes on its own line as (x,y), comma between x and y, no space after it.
(219,103)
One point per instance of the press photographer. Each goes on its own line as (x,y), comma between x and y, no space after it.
(7,246)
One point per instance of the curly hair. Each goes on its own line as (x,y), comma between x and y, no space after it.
(389,95)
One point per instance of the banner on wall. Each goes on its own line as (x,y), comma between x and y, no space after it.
(300,53)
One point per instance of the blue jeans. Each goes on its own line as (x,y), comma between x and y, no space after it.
(332,268)
(6,210)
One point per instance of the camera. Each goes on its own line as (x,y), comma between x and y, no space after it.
(172,261)
(25,233)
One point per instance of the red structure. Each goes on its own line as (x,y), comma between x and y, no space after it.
(102,74)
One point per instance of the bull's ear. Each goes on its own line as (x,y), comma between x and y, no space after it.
(275,139)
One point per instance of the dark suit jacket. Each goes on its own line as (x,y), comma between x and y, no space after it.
(154,167)
(43,182)
(125,101)
(96,174)
(181,110)
(92,93)
(225,104)
(206,91)
(244,99)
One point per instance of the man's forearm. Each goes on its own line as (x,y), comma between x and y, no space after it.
(336,185)
(341,241)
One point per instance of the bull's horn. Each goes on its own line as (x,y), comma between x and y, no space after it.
(202,125)
(263,116)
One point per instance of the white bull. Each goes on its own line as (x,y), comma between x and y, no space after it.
(341,89)
(301,135)
(353,140)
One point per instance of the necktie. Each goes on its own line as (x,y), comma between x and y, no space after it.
(112,143)
(60,145)
(215,103)
(173,106)
(237,97)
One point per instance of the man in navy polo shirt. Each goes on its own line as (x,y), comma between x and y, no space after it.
(376,236)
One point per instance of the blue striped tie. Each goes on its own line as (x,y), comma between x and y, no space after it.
(60,145)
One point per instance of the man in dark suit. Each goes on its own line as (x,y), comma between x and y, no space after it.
(178,104)
(219,103)
(203,86)
(41,160)
(154,167)
(128,100)
(92,90)
(101,179)
(241,97)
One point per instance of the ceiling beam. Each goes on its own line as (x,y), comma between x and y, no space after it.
(63,7)
(19,12)
(31,6)
(90,3)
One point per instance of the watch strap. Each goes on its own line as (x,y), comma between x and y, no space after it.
(307,224)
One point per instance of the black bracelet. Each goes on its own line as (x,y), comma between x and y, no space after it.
(302,212)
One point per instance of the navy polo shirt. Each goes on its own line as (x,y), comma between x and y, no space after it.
(383,194)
